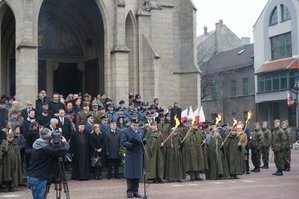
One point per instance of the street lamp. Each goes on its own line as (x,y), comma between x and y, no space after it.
(296,91)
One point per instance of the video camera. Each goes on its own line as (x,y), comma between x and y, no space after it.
(56,138)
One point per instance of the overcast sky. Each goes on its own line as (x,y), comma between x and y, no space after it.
(238,15)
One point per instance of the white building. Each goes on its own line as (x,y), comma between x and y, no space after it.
(276,35)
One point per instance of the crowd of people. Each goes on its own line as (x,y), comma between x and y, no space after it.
(97,132)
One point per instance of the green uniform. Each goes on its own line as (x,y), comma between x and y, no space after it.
(11,167)
(192,153)
(173,160)
(287,150)
(231,151)
(154,160)
(256,144)
(214,157)
(266,146)
(278,146)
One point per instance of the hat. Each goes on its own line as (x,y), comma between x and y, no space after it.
(121,109)
(86,95)
(45,110)
(2,101)
(111,105)
(94,104)
(104,117)
(121,102)
(135,121)
(153,106)
(90,115)
(134,114)
(161,115)
(81,123)
(147,113)
(131,103)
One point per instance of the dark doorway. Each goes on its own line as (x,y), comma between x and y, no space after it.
(67,79)
(92,77)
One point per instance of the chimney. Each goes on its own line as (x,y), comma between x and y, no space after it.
(221,21)
(205,29)
(245,41)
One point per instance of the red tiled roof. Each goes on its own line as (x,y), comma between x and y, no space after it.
(282,64)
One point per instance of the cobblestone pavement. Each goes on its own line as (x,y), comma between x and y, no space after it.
(254,186)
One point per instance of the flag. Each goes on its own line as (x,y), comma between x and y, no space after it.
(184,115)
(289,98)
(190,115)
(196,115)
(202,117)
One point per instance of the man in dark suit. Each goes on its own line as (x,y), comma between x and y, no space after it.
(132,140)
(64,124)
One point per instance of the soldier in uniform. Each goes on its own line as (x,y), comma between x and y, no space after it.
(82,115)
(242,148)
(231,151)
(266,145)
(257,140)
(192,152)
(287,150)
(278,147)
(154,159)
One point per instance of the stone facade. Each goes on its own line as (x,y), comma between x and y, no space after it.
(115,46)
(279,19)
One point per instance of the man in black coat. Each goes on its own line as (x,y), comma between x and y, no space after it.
(65,125)
(55,105)
(112,149)
(132,140)
(25,111)
(44,118)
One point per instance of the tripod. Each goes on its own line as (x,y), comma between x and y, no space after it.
(58,177)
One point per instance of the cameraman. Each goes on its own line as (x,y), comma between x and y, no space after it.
(42,157)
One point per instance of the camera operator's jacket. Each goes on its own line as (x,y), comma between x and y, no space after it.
(42,158)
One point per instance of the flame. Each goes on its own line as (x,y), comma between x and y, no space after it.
(235,122)
(193,121)
(249,115)
(177,121)
(218,118)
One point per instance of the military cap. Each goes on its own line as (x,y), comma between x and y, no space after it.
(90,115)
(121,102)
(144,103)
(94,104)
(153,106)
(161,115)
(121,109)
(135,121)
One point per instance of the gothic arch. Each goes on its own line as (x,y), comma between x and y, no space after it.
(131,43)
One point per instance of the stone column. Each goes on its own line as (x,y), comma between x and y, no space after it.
(27,53)
(119,56)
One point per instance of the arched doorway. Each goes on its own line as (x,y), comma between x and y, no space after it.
(8,51)
(71,47)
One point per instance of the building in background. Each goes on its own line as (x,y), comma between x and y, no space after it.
(228,84)
(276,35)
(94,46)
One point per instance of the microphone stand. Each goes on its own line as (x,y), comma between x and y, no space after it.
(143,166)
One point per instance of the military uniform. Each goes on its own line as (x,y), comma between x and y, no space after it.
(192,154)
(287,150)
(266,147)
(214,157)
(231,152)
(154,159)
(82,116)
(257,140)
(278,147)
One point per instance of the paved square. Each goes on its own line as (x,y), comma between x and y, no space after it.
(254,186)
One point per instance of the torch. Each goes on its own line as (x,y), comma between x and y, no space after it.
(190,128)
(235,122)
(177,124)
(218,119)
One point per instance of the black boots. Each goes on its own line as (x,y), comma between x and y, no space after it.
(256,169)
(286,167)
(9,187)
(265,166)
(278,172)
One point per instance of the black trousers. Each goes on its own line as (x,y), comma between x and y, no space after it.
(132,185)
(115,164)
